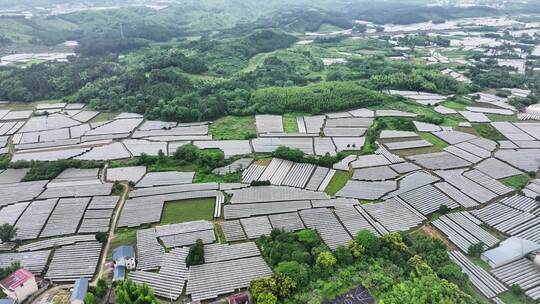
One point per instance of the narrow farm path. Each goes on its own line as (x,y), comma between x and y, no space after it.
(114,222)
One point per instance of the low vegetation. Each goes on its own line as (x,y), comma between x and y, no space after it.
(289,123)
(188,210)
(437,142)
(487,131)
(233,127)
(337,182)
(517,182)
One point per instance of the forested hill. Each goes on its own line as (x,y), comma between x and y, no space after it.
(192,17)
(205,79)
(207,59)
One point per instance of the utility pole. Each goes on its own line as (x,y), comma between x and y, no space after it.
(121,31)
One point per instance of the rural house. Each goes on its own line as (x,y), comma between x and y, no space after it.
(19,285)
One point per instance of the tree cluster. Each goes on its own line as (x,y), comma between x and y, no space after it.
(46,170)
(206,158)
(396,268)
(128,292)
(297,155)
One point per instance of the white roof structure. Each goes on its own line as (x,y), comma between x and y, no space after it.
(508,251)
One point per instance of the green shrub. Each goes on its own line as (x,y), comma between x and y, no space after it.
(256,183)
(187,152)
(475,250)
(517,290)
(295,155)
(435,119)
(196,254)
(102,237)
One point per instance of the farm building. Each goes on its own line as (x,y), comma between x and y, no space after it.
(19,285)
(79,291)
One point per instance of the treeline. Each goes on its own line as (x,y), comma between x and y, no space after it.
(314,98)
(166,83)
(47,170)
(424,40)
(298,156)
(378,73)
(408,13)
(152,81)
(489,74)
(54,79)
(300,19)
(95,46)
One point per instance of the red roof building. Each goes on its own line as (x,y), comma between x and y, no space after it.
(19,285)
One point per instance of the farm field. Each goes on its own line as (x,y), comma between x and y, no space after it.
(185,211)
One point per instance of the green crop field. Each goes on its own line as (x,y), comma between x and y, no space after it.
(188,210)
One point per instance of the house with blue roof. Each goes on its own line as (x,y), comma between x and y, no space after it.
(79,291)
(124,259)
(124,256)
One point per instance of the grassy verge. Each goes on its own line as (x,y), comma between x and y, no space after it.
(204,177)
(433,139)
(487,131)
(517,182)
(509,297)
(123,236)
(416,151)
(188,210)
(289,123)
(219,233)
(481,263)
(22,106)
(454,105)
(499,117)
(103,116)
(171,165)
(233,127)
(337,182)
